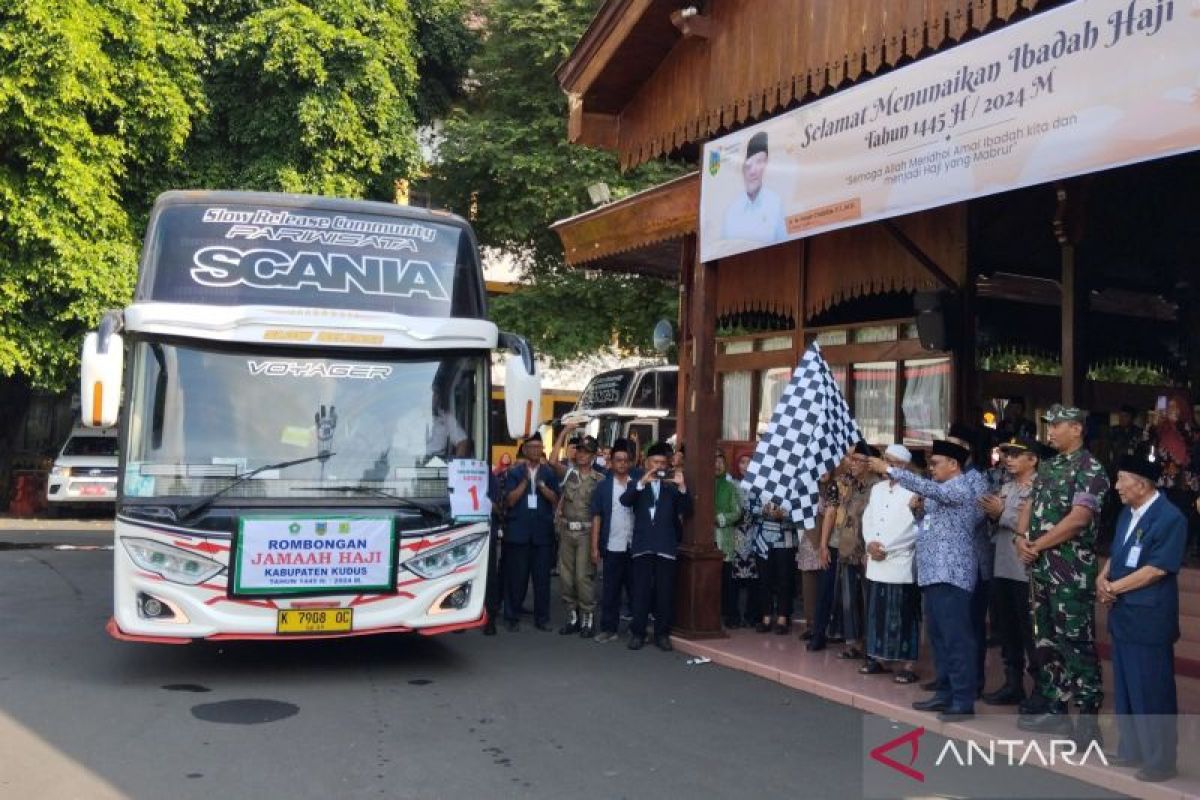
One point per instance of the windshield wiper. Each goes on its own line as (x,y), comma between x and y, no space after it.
(424,508)
(203,504)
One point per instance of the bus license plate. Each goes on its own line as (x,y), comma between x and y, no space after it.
(315,620)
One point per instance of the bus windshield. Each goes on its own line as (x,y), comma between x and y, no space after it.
(200,417)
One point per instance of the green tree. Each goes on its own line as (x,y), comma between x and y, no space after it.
(314,97)
(445,41)
(505,161)
(94,94)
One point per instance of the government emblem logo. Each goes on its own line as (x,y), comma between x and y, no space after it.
(714,162)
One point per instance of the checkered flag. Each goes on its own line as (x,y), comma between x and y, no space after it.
(810,431)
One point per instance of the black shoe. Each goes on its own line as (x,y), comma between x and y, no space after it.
(1150,775)
(569,627)
(1115,760)
(815,645)
(587,632)
(1055,720)
(543,626)
(1006,695)
(663,643)
(804,637)
(636,642)
(950,715)
(783,630)
(933,685)
(762,627)
(489,627)
(512,625)
(1034,704)
(733,624)
(872,667)
(934,703)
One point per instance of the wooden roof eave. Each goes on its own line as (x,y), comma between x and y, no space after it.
(608,29)
(635,224)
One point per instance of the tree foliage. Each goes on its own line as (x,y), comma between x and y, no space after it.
(444,43)
(93,95)
(313,97)
(105,103)
(505,161)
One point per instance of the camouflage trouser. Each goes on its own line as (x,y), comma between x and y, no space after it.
(1064,633)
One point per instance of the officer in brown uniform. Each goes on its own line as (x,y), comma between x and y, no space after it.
(573,524)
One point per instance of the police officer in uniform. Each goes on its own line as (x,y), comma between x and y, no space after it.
(1057,536)
(574,527)
(1139,585)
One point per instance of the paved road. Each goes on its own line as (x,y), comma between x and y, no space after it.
(529,714)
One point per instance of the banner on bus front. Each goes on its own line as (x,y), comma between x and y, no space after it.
(283,555)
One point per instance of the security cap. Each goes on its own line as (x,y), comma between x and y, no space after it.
(1060,413)
(1019,444)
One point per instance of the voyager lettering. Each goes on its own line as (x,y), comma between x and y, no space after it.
(318,369)
(326,272)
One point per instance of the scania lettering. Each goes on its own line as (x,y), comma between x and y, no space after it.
(302,389)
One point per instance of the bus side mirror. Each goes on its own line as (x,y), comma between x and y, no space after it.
(100,371)
(522,386)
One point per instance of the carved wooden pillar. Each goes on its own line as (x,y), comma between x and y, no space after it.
(1068,226)
(698,588)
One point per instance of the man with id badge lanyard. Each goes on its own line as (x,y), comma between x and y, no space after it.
(530,495)
(1139,586)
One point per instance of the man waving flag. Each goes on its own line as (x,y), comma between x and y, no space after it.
(810,431)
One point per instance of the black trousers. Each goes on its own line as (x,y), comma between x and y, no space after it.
(777,582)
(952,634)
(616,577)
(653,587)
(493,598)
(1013,625)
(979,609)
(826,595)
(520,562)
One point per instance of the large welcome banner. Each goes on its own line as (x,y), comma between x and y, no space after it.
(1092,85)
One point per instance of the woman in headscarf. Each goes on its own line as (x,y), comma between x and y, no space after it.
(727,500)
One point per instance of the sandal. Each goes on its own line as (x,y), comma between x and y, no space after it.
(906,676)
(872,667)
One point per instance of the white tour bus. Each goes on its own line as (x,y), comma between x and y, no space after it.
(302,389)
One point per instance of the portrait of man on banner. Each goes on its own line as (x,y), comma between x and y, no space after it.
(757,214)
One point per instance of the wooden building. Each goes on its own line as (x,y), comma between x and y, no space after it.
(1053,268)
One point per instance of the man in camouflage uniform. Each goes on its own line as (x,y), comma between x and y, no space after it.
(1059,527)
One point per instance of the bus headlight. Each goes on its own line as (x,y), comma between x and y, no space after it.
(445,559)
(172,563)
